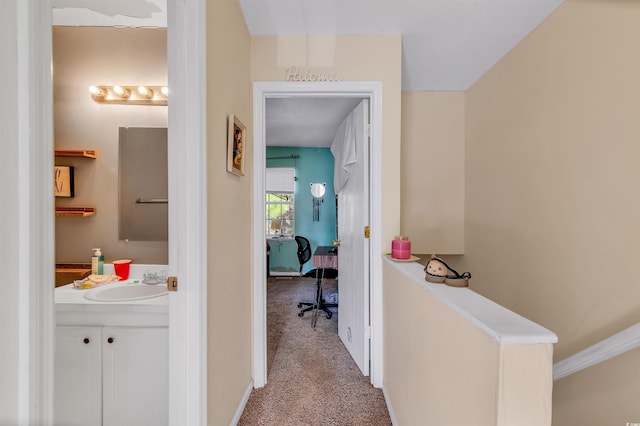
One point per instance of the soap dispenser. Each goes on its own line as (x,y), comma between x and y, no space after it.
(97,262)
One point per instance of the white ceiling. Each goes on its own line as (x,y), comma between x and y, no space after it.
(446,44)
(305,121)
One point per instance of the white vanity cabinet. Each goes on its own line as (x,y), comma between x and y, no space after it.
(135,376)
(111,375)
(78,376)
(111,360)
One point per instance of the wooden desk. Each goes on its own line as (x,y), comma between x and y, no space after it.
(325,257)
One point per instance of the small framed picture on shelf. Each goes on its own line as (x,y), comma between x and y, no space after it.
(236,138)
(63,181)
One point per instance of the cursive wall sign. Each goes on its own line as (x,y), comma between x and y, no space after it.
(295,74)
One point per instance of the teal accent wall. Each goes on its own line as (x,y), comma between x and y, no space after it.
(283,255)
(313,165)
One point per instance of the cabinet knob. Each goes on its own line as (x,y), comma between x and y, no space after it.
(110,340)
(86,340)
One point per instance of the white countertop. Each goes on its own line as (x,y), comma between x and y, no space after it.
(72,308)
(498,322)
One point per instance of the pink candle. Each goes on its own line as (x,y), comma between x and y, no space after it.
(401,248)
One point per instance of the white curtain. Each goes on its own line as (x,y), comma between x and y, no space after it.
(343,149)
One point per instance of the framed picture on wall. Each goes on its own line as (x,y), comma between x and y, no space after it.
(236,138)
(63,181)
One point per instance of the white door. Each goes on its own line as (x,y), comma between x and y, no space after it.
(353,253)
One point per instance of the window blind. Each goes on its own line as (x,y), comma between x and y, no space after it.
(280,179)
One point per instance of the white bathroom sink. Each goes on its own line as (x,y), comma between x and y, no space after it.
(122,293)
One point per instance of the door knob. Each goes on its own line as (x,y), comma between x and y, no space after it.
(110,340)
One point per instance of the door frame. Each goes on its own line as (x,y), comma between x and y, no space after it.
(187,213)
(187,151)
(361,89)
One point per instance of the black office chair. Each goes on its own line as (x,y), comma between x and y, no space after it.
(304,251)
(304,254)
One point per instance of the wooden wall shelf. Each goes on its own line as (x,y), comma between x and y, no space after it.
(75,211)
(68,272)
(85,153)
(73,268)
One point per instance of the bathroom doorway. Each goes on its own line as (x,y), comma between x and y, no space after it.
(186,142)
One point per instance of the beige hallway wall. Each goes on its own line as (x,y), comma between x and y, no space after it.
(552,183)
(432,172)
(229,214)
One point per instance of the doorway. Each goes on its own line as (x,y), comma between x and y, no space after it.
(364,90)
(187,142)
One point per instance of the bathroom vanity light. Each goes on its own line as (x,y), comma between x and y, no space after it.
(130,95)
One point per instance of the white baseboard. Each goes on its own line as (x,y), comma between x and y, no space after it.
(394,422)
(284,274)
(243,403)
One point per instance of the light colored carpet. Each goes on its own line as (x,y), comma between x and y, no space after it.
(312,379)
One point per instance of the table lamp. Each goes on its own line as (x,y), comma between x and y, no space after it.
(276,225)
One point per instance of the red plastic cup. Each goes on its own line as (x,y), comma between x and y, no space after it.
(121,268)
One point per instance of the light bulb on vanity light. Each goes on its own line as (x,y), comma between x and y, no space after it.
(122,92)
(145,92)
(165,90)
(98,93)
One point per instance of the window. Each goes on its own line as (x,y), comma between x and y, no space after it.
(280,207)
(280,214)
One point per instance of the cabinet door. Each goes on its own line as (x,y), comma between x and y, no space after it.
(78,370)
(135,376)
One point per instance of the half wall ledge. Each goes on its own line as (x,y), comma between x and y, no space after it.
(499,323)
(446,346)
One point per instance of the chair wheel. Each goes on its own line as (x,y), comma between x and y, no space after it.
(299,305)
(329,315)
(300,314)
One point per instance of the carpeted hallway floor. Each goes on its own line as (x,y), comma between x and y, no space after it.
(312,380)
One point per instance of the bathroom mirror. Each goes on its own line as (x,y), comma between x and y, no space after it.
(143,184)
